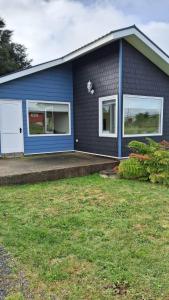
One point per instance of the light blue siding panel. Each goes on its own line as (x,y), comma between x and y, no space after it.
(54,84)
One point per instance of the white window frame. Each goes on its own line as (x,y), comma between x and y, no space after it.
(125,96)
(101,100)
(48,102)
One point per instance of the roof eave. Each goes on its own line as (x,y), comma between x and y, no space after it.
(149,50)
(132,34)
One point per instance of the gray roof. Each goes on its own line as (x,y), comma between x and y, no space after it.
(131,34)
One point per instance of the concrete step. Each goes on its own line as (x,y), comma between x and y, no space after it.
(54,174)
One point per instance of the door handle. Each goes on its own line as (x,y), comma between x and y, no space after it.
(20,130)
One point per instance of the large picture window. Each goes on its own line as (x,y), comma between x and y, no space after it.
(46,118)
(108,116)
(142,115)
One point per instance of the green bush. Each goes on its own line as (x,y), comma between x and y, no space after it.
(143,148)
(132,168)
(162,178)
(149,161)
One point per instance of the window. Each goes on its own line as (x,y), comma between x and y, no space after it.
(142,115)
(48,118)
(108,116)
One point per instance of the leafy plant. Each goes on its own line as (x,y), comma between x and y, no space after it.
(162,178)
(149,161)
(132,169)
(143,148)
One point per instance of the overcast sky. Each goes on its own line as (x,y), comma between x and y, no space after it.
(52,28)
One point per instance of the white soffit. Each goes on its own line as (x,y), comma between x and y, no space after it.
(132,34)
(149,50)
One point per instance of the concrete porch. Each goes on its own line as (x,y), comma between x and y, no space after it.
(46,167)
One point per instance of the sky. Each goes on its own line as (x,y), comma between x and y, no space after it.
(51,28)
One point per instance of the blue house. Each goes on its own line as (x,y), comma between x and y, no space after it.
(95,99)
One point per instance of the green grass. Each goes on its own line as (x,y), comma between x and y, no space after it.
(81,238)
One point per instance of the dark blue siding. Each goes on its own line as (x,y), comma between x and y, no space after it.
(142,77)
(54,84)
(102,68)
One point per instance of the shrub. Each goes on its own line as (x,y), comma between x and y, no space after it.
(132,168)
(162,178)
(143,148)
(148,161)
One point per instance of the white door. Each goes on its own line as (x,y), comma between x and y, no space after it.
(11,126)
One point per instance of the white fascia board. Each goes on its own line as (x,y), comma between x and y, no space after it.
(131,34)
(150,44)
(99,43)
(79,52)
(30,70)
(149,49)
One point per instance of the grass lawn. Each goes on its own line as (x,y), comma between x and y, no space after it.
(89,238)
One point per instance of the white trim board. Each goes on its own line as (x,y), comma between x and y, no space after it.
(91,153)
(103,155)
(132,34)
(50,152)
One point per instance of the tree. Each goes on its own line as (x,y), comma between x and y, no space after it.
(13,56)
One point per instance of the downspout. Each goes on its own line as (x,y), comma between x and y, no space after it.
(120,100)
